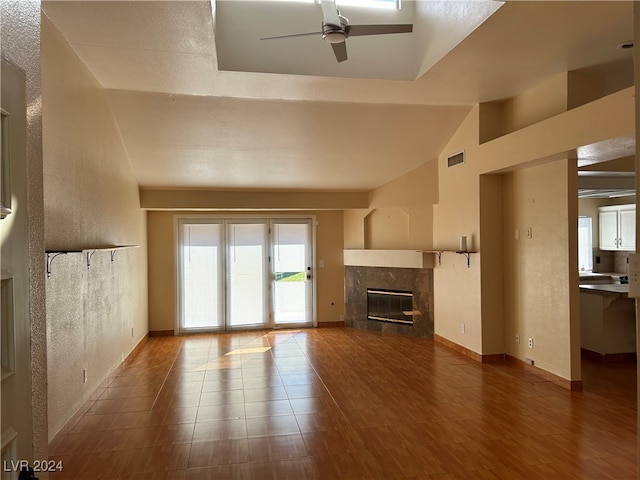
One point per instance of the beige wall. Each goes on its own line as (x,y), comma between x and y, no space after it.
(387,228)
(461,296)
(492,262)
(95,316)
(457,288)
(470,200)
(355,228)
(24,406)
(400,213)
(558,94)
(536,274)
(162,265)
(539,103)
(205,199)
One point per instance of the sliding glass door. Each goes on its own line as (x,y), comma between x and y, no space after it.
(244,273)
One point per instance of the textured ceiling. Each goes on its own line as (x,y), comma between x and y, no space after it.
(186,123)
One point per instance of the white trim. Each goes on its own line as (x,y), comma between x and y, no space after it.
(8,326)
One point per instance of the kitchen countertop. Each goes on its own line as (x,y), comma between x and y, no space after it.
(607,288)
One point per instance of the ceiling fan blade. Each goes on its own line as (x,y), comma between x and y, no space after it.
(340,51)
(292,35)
(356,30)
(330,12)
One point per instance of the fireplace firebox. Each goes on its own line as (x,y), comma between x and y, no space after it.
(395,306)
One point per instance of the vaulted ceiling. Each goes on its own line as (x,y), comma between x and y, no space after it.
(201,101)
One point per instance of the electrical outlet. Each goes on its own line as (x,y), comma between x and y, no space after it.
(518,339)
(530,342)
(84,375)
(462,327)
(529,233)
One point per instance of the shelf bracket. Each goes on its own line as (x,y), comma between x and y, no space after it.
(468,255)
(89,255)
(50,257)
(113,255)
(439,254)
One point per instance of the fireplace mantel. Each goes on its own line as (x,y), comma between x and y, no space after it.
(387,258)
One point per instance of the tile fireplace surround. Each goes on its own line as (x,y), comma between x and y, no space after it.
(417,280)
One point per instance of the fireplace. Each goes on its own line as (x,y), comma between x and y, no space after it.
(404,315)
(395,306)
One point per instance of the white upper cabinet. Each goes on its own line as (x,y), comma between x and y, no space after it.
(617,227)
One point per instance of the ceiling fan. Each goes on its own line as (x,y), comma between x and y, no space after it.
(336,29)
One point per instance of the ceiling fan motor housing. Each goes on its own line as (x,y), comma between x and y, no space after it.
(335,33)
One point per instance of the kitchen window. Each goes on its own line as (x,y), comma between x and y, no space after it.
(585,246)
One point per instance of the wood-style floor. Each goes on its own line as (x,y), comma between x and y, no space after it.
(345,404)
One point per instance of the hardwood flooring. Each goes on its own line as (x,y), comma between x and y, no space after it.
(345,404)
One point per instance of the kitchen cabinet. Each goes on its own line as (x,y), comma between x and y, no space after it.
(617,227)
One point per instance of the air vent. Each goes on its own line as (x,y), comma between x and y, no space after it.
(455,159)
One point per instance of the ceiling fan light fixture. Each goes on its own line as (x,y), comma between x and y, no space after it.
(335,36)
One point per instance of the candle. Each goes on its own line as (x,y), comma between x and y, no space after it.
(463,243)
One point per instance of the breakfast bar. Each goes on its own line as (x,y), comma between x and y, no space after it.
(607,321)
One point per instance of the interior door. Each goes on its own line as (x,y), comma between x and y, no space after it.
(16,389)
(247,273)
(292,281)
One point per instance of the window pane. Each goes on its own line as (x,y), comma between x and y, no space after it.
(246,271)
(585,250)
(201,256)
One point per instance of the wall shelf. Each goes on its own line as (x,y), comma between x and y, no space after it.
(88,251)
(439,253)
(386,258)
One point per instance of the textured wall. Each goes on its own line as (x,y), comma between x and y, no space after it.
(91,324)
(21,45)
(536,283)
(459,296)
(400,213)
(91,199)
